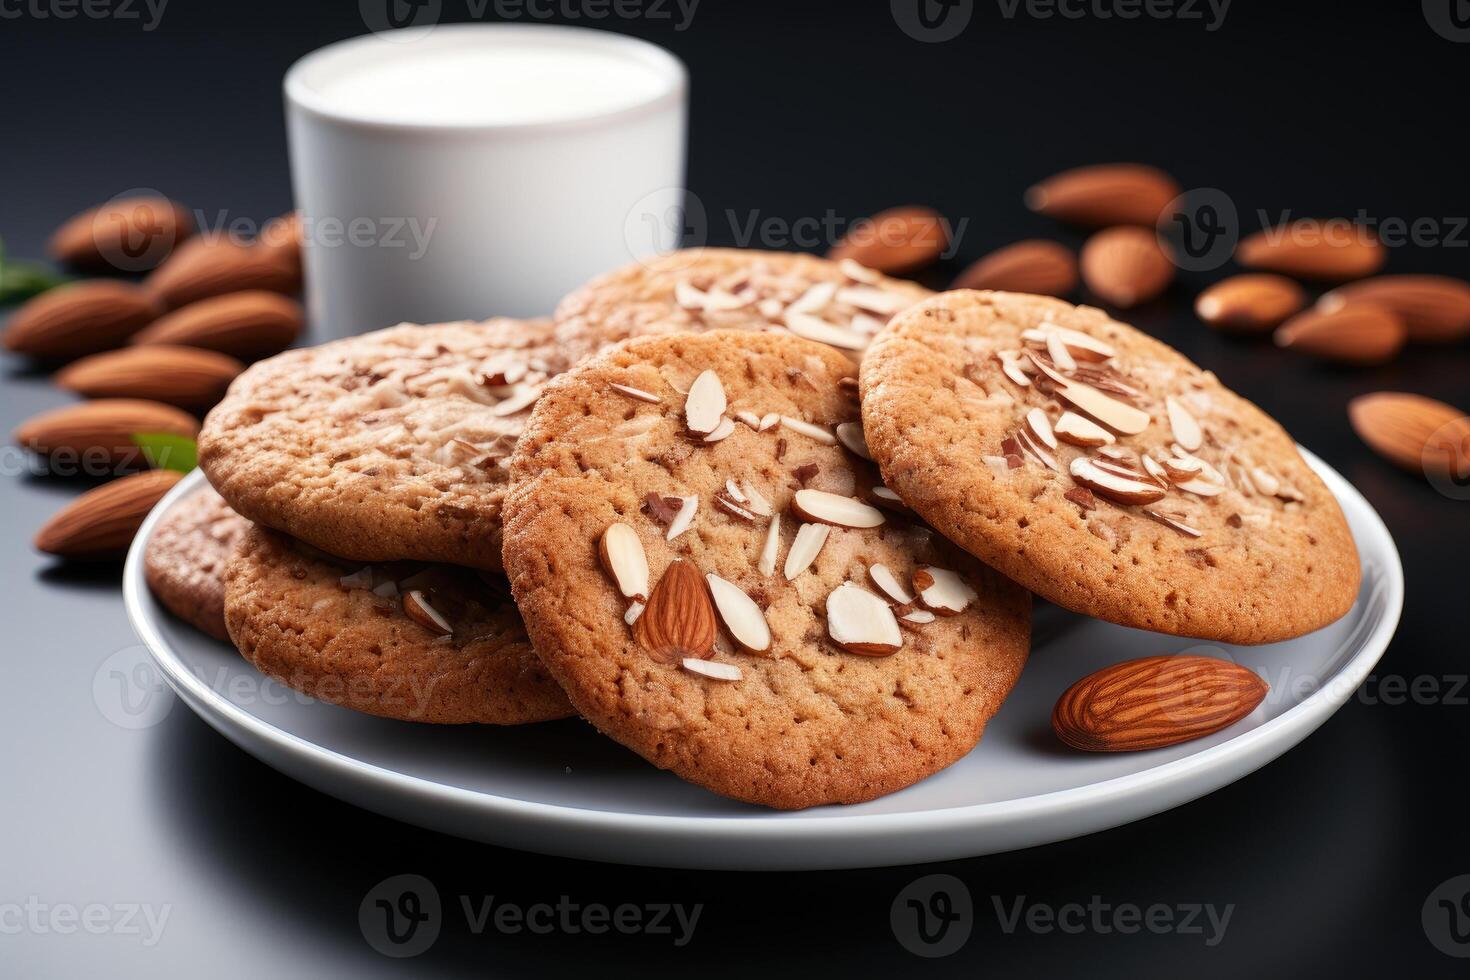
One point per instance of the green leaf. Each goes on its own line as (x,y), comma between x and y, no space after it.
(166,451)
(22,280)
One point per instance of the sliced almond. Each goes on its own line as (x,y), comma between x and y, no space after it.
(360,579)
(1184,426)
(1110,412)
(1011,366)
(873,300)
(524,397)
(889,585)
(757,502)
(687,296)
(417,608)
(749,418)
(885,497)
(723,430)
(711,669)
(635,609)
(943,591)
(767,563)
(850,434)
(860,622)
(1058,353)
(821,507)
(1040,427)
(623,558)
(1079,431)
(1152,467)
(1180,468)
(1265,482)
(742,617)
(917,617)
(858,272)
(1199,488)
(732,489)
(387,590)
(1035,450)
(683,519)
(1115,486)
(704,406)
(814,328)
(816,299)
(1081,346)
(737,511)
(804,548)
(769,421)
(679,620)
(817,432)
(1169,520)
(638,393)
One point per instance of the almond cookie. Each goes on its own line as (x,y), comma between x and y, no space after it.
(185,561)
(430,643)
(705,563)
(1101,469)
(841,304)
(385,446)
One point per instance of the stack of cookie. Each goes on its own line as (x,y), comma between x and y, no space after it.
(762,516)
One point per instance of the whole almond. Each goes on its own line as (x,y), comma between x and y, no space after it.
(282,239)
(1362,334)
(80,318)
(1320,251)
(1104,195)
(1126,266)
(895,241)
(204,267)
(132,234)
(1154,702)
(1250,303)
(679,619)
(182,376)
(1416,433)
(1032,266)
(103,428)
(1435,309)
(101,523)
(249,325)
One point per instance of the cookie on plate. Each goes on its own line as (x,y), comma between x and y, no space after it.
(414,642)
(386,446)
(837,303)
(1101,469)
(185,561)
(702,555)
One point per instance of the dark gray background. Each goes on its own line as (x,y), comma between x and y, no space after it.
(1327,855)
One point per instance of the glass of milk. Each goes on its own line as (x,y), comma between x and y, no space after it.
(477,170)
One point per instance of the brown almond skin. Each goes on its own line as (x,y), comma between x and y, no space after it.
(1415,433)
(1435,309)
(679,618)
(1104,195)
(100,524)
(896,241)
(1361,334)
(131,234)
(204,267)
(1032,266)
(282,238)
(1250,304)
(1126,266)
(80,318)
(1308,250)
(1154,702)
(182,376)
(103,428)
(249,325)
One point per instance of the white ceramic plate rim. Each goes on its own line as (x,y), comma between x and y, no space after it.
(1289,728)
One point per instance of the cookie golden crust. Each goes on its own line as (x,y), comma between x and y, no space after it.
(699,289)
(386,446)
(808,721)
(360,636)
(184,564)
(1186,511)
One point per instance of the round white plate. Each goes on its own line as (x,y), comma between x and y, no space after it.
(560,788)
